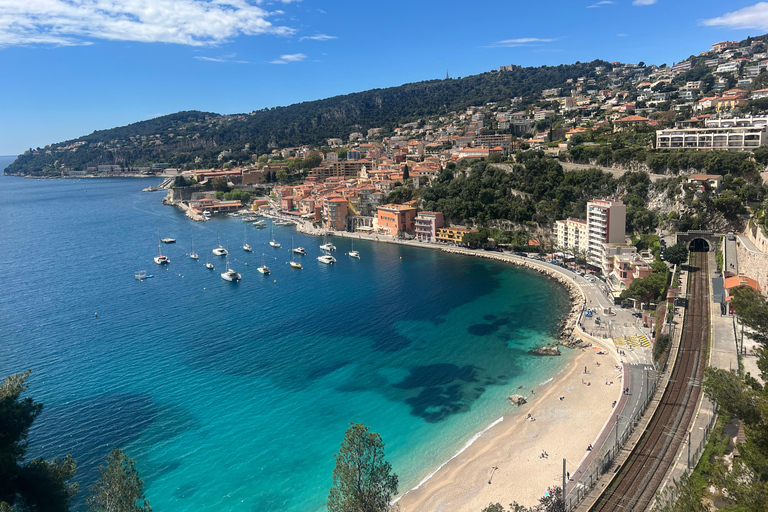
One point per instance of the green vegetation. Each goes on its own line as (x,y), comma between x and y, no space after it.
(234,195)
(36,485)
(181,181)
(362,480)
(660,346)
(744,485)
(677,254)
(119,487)
(552,502)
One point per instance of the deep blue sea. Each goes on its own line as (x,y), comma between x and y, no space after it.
(236,396)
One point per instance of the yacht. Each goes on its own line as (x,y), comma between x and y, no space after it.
(326,258)
(192,253)
(260,224)
(160,259)
(273,242)
(229,274)
(220,250)
(168,240)
(209,265)
(327,246)
(246,247)
(353,253)
(206,214)
(300,250)
(263,268)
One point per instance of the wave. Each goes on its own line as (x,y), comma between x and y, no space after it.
(463,449)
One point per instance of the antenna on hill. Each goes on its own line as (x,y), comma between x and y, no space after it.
(446,74)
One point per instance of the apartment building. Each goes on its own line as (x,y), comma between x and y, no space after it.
(394,219)
(572,235)
(452,235)
(427,224)
(606,224)
(741,138)
(335,213)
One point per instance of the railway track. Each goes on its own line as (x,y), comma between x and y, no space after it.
(635,485)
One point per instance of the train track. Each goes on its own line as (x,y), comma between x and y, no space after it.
(635,485)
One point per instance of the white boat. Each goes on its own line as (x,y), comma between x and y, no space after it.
(209,265)
(294,263)
(353,253)
(273,242)
(282,223)
(300,250)
(229,274)
(192,253)
(168,240)
(160,259)
(206,214)
(220,250)
(260,224)
(263,268)
(250,218)
(246,247)
(327,259)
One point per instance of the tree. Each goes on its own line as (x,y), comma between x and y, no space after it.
(677,254)
(362,480)
(312,161)
(475,239)
(220,183)
(550,502)
(38,484)
(119,487)
(406,172)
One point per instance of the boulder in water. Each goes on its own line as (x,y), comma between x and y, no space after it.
(517,400)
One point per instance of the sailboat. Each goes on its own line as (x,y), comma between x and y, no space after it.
(273,242)
(192,253)
(327,246)
(160,259)
(220,250)
(246,247)
(229,274)
(326,258)
(294,263)
(208,264)
(263,268)
(353,253)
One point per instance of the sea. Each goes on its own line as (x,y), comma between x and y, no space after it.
(235,396)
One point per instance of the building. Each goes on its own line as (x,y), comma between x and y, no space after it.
(427,224)
(452,235)
(396,219)
(572,235)
(606,224)
(622,265)
(628,122)
(335,213)
(732,283)
(712,139)
(504,141)
(345,169)
(724,45)
(714,181)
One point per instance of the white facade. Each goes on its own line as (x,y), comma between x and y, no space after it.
(712,139)
(572,235)
(606,224)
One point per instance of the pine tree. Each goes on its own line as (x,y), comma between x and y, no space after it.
(119,487)
(362,480)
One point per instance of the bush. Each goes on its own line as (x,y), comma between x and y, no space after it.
(661,345)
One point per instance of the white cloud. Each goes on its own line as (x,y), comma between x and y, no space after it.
(522,41)
(599,4)
(318,37)
(755,16)
(222,58)
(644,2)
(78,22)
(293,57)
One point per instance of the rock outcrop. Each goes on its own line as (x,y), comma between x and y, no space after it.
(517,400)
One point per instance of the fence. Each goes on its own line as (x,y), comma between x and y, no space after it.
(607,452)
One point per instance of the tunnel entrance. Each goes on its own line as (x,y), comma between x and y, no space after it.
(698,245)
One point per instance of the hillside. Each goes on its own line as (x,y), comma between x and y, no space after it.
(194,139)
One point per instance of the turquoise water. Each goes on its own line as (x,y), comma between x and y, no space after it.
(236,396)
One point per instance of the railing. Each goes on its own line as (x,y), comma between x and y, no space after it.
(607,454)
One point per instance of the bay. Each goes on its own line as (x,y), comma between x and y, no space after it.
(236,396)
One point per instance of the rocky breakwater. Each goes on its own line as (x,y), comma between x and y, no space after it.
(169,200)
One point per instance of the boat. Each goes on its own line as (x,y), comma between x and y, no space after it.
(273,242)
(293,263)
(208,264)
(192,253)
(300,250)
(250,218)
(168,240)
(282,223)
(220,250)
(326,258)
(327,246)
(353,253)
(140,275)
(260,224)
(229,274)
(263,268)
(206,214)
(160,259)
(246,247)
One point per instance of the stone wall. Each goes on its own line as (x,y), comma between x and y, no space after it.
(754,264)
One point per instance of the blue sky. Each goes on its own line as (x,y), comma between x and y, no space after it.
(68,67)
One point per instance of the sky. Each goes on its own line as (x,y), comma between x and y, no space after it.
(69,67)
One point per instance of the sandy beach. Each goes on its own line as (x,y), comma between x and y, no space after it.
(563,428)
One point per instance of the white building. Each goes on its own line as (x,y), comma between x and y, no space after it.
(572,235)
(606,224)
(741,138)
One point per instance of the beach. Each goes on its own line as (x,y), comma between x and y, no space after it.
(562,428)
